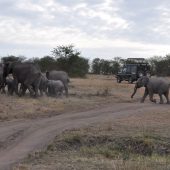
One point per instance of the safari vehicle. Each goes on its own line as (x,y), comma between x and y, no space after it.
(133,69)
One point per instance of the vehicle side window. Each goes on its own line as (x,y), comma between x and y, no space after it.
(133,69)
(128,69)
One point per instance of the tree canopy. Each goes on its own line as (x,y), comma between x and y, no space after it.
(68,59)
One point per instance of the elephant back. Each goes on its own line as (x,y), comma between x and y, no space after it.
(58,75)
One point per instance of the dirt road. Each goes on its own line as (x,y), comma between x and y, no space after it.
(19,138)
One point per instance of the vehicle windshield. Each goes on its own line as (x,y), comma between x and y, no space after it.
(128,69)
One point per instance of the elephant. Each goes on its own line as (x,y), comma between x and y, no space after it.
(10,85)
(55,88)
(2,81)
(28,74)
(59,75)
(153,85)
(42,86)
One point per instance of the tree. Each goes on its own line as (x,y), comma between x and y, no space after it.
(47,63)
(96,66)
(12,58)
(115,67)
(64,51)
(101,66)
(160,65)
(70,60)
(105,66)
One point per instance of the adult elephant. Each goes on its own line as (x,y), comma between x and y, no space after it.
(155,85)
(42,86)
(28,74)
(59,75)
(2,80)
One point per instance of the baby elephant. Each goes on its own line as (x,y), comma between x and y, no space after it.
(155,85)
(55,88)
(10,85)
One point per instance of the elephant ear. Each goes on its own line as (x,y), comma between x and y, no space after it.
(145,81)
(47,74)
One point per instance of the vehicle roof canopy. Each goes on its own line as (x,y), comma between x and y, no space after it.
(136,61)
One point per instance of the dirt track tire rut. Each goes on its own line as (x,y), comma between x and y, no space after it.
(31,135)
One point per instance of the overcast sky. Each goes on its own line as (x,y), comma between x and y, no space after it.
(98,28)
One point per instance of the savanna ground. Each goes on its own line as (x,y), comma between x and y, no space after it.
(85,94)
(138,141)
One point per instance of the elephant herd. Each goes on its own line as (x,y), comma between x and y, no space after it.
(18,77)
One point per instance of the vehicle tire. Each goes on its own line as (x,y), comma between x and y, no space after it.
(119,80)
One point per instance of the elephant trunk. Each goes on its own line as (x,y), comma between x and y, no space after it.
(135,90)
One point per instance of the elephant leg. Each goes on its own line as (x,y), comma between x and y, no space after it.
(135,90)
(56,92)
(3,88)
(35,88)
(36,92)
(53,90)
(161,99)
(44,90)
(30,89)
(41,92)
(36,85)
(22,90)
(16,86)
(66,90)
(3,84)
(49,91)
(31,85)
(151,97)
(144,96)
(10,89)
(60,92)
(167,97)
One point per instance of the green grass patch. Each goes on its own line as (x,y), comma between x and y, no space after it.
(102,149)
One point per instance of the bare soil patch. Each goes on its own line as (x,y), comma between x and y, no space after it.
(117,145)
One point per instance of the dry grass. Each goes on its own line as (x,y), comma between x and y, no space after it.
(139,142)
(84,94)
